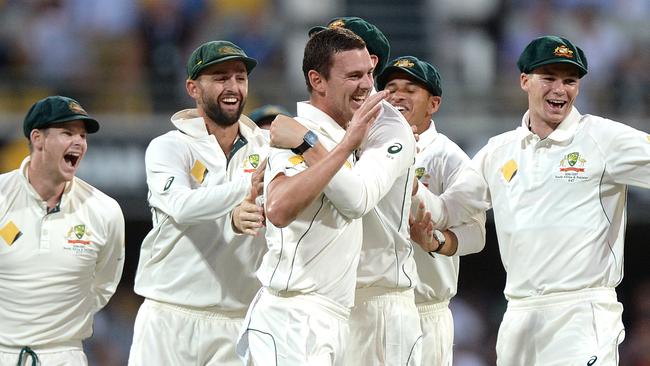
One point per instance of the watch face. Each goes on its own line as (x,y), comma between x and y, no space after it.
(311,138)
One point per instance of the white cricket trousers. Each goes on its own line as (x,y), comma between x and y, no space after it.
(564,329)
(61,354)
(384,328)
(437,333)
(166,334)
(293,329)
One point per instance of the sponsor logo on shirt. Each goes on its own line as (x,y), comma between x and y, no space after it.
(10,233)
(395,148)
(572,167)
(509,170)
(592,360)
(198,171)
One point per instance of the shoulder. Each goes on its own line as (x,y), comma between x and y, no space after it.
(502,140)
(9,184)
(102,202)
(168,145)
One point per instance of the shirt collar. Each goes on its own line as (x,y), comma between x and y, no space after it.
(564,131)
(428,136)
(24,173)
(190,123)
(321,121)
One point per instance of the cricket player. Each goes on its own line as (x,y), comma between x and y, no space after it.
(196,269)
(416,91)
(557,185)
(384,323)
(314,199)
(61,242)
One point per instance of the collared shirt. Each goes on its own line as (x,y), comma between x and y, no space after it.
(319,251)
(559,202)
(191,256)
(57,269)
(438,165)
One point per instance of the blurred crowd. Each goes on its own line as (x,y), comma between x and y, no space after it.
(128,56)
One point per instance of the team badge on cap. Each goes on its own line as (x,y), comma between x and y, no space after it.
(563,51)
(404,63)
(339,23)
(76,108)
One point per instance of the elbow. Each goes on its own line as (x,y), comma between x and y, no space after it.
(182,217)
(278,215)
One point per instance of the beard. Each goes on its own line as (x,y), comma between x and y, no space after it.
(214,111)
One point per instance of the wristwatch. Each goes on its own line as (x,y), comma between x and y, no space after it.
(440,237)
(308,141)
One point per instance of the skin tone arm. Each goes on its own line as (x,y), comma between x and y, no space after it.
(288,196)
(421,231)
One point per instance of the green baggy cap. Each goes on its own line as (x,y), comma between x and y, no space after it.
(422,71)
(551,50)
(214,52)
(56,109)
(375,40)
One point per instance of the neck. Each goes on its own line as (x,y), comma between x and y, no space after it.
(50,190)
(320,104)
(225,135)
(424,125)
(541,128)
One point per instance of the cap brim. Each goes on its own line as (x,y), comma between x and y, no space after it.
(383,78)
(250,63)
(581,70)
(316,29)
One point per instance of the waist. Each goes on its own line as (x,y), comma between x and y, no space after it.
(370,293)
(562,298)
(210,312)
(433,307)
(45,348)
(321,301)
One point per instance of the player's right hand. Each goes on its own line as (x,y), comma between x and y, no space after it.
(362,119)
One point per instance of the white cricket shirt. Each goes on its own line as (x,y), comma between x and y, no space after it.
(191,256)
(438,164)
(58,269)
(559,203)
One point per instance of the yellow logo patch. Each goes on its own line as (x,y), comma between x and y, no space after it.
(563,51)
(10,233)
(509,170)
(648,138)
(296,159)
(198,171)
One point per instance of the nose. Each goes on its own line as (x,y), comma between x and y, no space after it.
(367,82)
(558,87)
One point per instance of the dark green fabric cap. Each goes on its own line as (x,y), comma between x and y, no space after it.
(551,50)
(214,52)
(266,111)
(376,42)
(422,71)
(56,109)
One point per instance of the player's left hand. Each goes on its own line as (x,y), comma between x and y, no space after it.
(286,132)
(248,218)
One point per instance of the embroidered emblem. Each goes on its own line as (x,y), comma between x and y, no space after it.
(563,51)
(404,63)
(10,233)
(337,24)
(80,232)
(198,171)
(509,170)
(572,159)
(254,160)
(76,108)
(228,50)
(419,172)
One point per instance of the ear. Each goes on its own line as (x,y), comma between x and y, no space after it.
(37,137)
(317,81)
(192,88)
(434,104)
(523,81)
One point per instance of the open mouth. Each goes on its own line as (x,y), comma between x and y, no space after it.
(71,159)
(556,104)
(231,101)
(359,99)
(401,108)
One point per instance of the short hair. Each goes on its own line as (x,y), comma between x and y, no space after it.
(321,48)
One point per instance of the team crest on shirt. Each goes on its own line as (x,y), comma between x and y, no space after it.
(251,163)
(78,240)
(572,167)
(422,175)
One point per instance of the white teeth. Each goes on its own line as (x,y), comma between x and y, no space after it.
(229,100)
(400,108)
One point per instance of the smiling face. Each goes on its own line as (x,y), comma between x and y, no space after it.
(220,91)
(58,149)
(414,101)
(552,90)
(348,85)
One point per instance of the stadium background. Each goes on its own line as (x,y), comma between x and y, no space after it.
(124,60)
